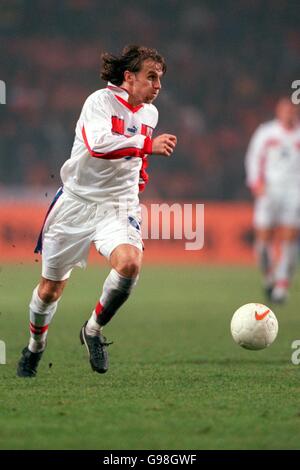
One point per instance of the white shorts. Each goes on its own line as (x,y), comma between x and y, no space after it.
(73,224)
(281,208)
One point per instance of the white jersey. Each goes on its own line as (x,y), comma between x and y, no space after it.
(108,157)
(273,157)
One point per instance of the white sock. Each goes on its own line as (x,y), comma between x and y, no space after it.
(41,314)
(116,290)
(92,327)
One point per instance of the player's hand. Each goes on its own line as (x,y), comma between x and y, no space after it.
(164,144)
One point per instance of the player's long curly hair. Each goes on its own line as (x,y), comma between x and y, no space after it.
(131,59)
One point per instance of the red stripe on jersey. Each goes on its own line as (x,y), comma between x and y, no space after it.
(38,330)
(272,142)
(147,146)
(133,109)
(117,125)
(98,308)
(115,154)
(146,130)
(144,177)
(262,166)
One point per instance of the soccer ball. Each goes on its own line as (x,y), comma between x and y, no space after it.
(254,326)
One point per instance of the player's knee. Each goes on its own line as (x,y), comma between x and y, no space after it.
(128,267)
(50,291)
(48,296)
(127,262)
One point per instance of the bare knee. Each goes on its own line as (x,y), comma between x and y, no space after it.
(127,261)
(50,291)
(128,267)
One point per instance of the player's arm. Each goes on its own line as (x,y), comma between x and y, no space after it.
(102,142)
(254,163)
(99,138)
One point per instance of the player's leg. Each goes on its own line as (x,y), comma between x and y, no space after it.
(42,307)
(263,248)
(118,237)
(66,242)
(126,261)
(286,264)
(265,211)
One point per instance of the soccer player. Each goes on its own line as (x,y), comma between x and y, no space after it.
(98,201)
(273,175)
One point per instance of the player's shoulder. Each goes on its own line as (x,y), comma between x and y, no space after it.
(269,125)
(151,108)
(267,128)
(101,96)
(152,113)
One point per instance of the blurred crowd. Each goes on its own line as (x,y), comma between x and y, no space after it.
(228,62)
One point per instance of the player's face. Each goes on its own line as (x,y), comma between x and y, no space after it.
(287,113)
(146,83)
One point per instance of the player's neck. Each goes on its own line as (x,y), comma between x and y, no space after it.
(131,99)
(289,125)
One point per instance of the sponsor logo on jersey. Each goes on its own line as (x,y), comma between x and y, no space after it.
(132,129)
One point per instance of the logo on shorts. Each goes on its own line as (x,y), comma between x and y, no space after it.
(134,223)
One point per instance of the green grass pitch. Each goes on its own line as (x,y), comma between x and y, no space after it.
(176,380)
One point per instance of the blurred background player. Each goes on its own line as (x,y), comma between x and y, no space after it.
(273,175)
(99,200)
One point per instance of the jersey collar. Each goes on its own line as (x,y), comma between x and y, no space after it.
(122,96)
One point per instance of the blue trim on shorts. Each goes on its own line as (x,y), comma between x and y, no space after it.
(39,245)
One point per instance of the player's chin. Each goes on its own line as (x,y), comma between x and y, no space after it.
(150,99)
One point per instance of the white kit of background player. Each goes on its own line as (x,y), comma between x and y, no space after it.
(273,174)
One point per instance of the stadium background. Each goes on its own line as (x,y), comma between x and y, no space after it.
(227,64)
